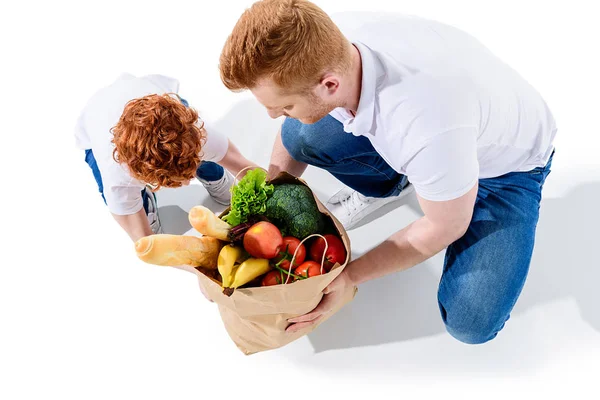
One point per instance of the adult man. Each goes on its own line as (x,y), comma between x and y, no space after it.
(391,99)
(138,132)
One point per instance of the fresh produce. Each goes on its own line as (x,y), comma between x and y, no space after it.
(263,240)
(249,197)
(336,252)
(309,269)
(255,241)
(273,278)
(293,209)
(227,258)
(288,248)
(174,250)
(248,270)
(209,224)
(237,269)
(288,276)
(236,233)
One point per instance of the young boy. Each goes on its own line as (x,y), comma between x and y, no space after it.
(138,136)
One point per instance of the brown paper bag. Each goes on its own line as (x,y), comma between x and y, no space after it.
(255,318)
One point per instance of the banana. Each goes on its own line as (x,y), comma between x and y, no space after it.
(248,270)
(226,262)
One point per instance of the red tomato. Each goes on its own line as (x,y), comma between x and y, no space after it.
(336,253)
(273,278)
(285,278)
(308,269)
(289,246)
(263,240)
(276,278)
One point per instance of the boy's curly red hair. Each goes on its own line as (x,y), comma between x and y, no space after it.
(159,140)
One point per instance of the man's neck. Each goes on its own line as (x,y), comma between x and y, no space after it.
(355,82)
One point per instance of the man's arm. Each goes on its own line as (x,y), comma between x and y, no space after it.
(282,161)
(136,225)
(234,161)
(443,223)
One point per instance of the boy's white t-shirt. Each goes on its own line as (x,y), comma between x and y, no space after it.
(440,108)
(101,114)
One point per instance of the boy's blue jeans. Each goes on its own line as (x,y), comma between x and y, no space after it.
(207,170)
(485,270)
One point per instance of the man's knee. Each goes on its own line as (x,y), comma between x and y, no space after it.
(472,324)
(316,144)
(471,335)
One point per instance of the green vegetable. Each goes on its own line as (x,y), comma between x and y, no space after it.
(294,210)
(249,197)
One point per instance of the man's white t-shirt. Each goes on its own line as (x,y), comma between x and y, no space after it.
(440,108)
(101,114)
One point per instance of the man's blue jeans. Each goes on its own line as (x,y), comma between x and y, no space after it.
(485,270)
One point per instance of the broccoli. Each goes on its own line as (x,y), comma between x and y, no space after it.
(293,209)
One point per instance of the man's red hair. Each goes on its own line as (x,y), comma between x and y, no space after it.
(292,42)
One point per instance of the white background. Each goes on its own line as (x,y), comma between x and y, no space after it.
(82,318)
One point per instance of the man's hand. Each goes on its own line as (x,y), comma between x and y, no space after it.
(332,296)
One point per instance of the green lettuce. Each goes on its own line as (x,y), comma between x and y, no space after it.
(249,197)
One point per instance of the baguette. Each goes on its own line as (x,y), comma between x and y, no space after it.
(208,223)
(174,250)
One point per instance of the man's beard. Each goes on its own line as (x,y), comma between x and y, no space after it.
(319,110)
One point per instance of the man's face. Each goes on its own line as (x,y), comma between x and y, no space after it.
(308,108)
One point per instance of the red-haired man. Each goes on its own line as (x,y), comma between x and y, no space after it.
(380,100)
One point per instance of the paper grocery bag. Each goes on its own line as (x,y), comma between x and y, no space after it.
(256,317)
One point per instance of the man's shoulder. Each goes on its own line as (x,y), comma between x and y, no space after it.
(428,103)
(354,22)
(424,87)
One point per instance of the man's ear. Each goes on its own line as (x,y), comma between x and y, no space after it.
(331,83)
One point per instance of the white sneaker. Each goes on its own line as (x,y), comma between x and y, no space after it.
(153,218)
(220,190)
(350,207)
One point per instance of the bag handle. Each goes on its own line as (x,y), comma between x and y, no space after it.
(296,252)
